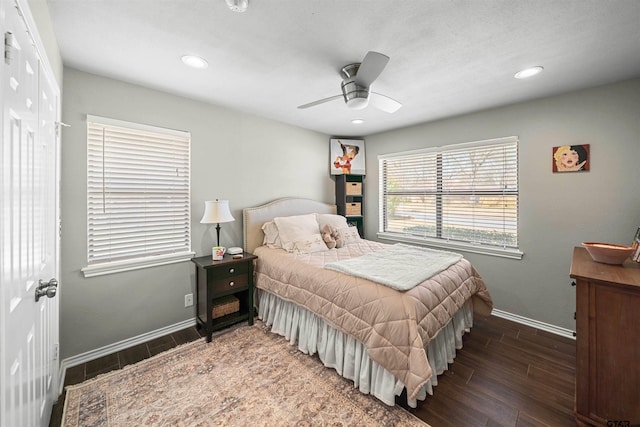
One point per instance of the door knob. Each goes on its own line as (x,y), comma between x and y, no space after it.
(42,284)
(48,289)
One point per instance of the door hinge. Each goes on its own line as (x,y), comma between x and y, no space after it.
(8,47)
(56,351)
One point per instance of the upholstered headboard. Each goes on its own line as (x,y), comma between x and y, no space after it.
(253,218)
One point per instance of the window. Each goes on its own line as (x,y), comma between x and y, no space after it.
(138,196)
(462,196)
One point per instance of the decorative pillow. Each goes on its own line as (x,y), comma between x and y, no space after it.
(271,235)
(336,221)
(310,244)
(294,228)
(348,234)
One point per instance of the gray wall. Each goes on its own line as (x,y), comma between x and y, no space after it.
(234,156)
(556,211)
(259,160)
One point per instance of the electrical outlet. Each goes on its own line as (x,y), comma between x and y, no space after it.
(188,300)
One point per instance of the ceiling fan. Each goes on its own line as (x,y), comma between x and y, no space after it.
(356,85)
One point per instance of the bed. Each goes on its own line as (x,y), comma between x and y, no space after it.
(382,339)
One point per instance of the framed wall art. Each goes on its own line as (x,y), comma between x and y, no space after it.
(347,157)
(571,158)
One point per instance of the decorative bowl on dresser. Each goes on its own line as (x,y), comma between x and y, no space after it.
(608,253)
(607,341)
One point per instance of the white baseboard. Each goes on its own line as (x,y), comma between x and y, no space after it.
(567,333)
(118,346)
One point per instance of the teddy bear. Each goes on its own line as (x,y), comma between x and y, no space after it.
(331,237)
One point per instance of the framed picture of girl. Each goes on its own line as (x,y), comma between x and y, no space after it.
(570,158)
(347,157)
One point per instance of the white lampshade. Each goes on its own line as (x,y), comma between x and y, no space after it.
(216,211)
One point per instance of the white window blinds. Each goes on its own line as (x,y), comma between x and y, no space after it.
(459,193)
(138,193)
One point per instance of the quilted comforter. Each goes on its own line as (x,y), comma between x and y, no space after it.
(394,326)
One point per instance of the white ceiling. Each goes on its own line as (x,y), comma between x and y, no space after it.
(448,57)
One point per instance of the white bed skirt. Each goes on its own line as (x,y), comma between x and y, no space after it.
(348,356)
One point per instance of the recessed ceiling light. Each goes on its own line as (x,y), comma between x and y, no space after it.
(528,72)
(195,62)
(357,121)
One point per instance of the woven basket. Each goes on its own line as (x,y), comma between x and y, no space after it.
(354,209)
(225,305)
(353,188)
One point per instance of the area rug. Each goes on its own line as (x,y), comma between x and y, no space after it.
(247,376)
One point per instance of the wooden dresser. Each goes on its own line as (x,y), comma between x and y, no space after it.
(607,341)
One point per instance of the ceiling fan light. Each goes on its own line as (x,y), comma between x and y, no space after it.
(357,121)
(355,96)
(358,103)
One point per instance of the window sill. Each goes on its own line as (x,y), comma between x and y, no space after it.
(135,264)
(455,246)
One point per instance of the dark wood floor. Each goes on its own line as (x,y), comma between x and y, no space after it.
(506,374)
(111,362)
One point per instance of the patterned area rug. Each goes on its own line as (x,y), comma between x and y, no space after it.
(247,376)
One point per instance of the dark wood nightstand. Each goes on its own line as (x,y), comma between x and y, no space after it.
(218,279)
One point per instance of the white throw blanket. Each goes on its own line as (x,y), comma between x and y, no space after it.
(400,267)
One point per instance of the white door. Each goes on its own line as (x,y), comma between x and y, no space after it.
(28,227)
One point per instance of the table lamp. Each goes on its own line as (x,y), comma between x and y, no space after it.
(216,212)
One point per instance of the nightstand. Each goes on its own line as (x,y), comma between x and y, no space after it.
(216,280)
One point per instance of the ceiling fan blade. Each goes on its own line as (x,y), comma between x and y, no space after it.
(320,101)
(370,68)
(383,102)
